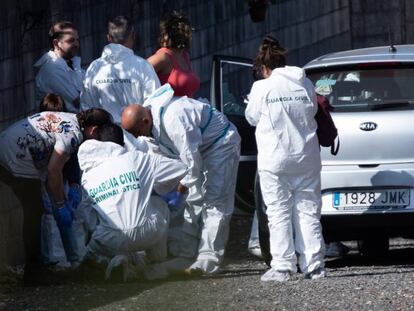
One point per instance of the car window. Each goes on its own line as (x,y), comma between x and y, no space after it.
(366,88)
(237,79)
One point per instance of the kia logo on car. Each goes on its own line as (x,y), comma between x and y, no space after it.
(368,126)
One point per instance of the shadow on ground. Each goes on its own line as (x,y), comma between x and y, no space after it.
(87,294)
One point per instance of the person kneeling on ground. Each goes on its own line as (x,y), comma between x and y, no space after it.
(131,218)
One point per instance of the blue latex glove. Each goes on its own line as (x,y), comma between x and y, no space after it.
(167,197)
(65,215)
(175,201)
(74,195)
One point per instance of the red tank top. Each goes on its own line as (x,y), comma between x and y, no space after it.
(183,82)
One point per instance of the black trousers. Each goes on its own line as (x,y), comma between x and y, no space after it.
(29,194)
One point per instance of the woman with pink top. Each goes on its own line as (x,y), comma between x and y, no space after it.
(172,62)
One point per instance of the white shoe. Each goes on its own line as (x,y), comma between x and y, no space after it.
(318,273)
(255,251)
(205,266)
(273,275)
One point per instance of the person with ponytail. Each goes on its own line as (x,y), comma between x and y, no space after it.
(282,106)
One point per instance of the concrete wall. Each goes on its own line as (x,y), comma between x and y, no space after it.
(307,28)
(372,22)
(222,27)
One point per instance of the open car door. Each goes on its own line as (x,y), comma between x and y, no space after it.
(231,81)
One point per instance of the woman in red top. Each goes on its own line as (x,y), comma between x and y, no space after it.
(172,62)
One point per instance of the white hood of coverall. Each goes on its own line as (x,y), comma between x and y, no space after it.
(115,53)
(186,128)
(92,153)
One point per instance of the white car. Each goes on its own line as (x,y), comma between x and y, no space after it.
(368,187)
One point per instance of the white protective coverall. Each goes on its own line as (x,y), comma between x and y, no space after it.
(55,76)
(116,79)
(209,145)
(282,107)
(121,184)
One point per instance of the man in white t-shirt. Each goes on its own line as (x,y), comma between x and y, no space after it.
(60,69)
(119,77)
(36,149)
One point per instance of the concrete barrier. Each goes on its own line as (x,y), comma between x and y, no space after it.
(11,222)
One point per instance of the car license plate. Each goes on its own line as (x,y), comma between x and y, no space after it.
(376,199)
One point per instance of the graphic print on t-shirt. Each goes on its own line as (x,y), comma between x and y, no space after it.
(51,123)
(40,137)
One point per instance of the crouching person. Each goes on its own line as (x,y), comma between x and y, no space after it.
(209,144)
(123,187)
(36,149)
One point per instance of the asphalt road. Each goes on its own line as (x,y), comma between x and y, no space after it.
(353,283)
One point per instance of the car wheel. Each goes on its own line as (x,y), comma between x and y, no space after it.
(263,222)
(377,246)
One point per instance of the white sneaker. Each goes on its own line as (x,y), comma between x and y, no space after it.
(205,266)
(273,275)
(255,251)
(316,274)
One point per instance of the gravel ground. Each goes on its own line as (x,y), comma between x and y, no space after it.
(353,283)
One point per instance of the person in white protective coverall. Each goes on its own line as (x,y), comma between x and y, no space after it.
(119,77)
(282,107)
(209,145)
(60,71)
(132,217)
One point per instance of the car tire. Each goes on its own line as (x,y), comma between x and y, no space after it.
(263,222)
(377,246)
